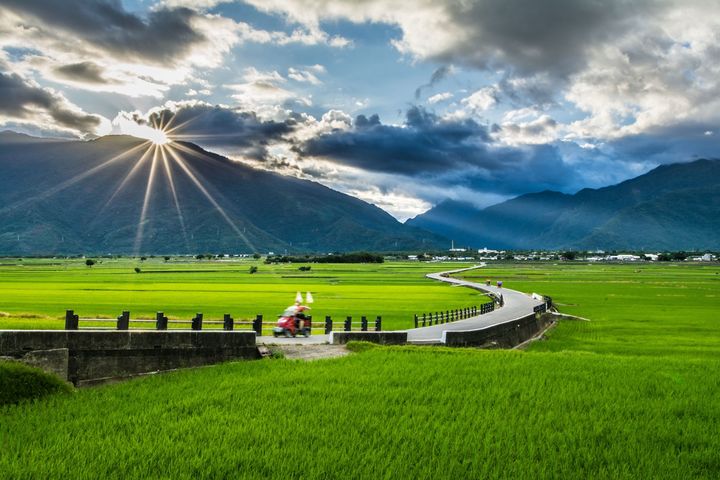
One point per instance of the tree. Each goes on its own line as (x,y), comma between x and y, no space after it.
(256,256)
(167,259)
(200,256)
(142,259)
(569,255)
(253,269)
(89,262)
(137,270)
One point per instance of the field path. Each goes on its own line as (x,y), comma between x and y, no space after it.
(517,304)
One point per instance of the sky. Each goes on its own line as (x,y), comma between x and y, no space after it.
(402,103)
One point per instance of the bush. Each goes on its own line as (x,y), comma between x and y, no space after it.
(305,269)
(89,262)
(253,269)
(137,270)
(167,259)
(20,382)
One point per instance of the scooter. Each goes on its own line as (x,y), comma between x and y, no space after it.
(292,325)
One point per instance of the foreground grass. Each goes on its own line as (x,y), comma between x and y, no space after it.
(36,293)
(630,394)
(21,383)
(384,413)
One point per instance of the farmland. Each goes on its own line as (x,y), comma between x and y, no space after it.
(632,393)
(36,293)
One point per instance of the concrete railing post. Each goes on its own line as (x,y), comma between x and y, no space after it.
(423,319)
(348,324)
(363,323)
(161,321)
(71,320)
(378,323)
(228,322)
(197,322)
(257,325)
(328,325)
(123,321)
(416,321)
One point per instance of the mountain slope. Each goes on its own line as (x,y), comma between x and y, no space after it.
(671,207)
(88,197)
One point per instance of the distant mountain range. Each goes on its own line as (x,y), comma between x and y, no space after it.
(78,197)
(672,207)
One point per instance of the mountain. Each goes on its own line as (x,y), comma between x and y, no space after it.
(672,207)
(120,195)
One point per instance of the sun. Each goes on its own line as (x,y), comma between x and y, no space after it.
(157,137)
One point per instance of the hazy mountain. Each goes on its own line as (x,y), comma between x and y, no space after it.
(671,207)
(61,196)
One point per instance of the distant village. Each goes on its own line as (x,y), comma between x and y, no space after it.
(486,254)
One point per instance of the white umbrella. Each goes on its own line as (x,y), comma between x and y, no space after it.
(298,298)
(309,297)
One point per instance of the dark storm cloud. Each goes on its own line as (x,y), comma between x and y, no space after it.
(163,36)
(677,143)
(88,72)
(424,144)
(443,152)
(437,76)
(532,36)
(21,100)
(232,130)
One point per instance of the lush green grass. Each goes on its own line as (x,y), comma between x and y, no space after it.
(20,383)
(646,309)
(384,413)
(36,293)
(631,394)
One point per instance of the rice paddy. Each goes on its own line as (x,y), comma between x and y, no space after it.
(632,393)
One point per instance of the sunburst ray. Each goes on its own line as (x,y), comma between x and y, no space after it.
(186,169)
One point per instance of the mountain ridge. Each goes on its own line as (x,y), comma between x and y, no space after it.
(595,218)
(87,197)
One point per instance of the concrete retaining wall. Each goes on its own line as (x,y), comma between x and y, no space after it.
(97,356)
(385,338)
(504,335)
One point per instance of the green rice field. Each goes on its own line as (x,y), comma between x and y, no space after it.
(631,393)
(36,293)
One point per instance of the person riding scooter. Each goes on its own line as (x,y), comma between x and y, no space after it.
(293,321)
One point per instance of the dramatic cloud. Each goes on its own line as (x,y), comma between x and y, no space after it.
(261,90)
(132,54)
(526,35)
(89,72)
(427,146)
(438,75)
(440,97)
(163,36)
(233,131)
(25,102)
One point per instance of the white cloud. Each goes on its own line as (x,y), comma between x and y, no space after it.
(481,100)
(303,76)
(533,132)
(440,97)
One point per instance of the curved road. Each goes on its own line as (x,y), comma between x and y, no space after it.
(517,304)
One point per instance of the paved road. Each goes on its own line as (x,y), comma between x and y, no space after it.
(517,304)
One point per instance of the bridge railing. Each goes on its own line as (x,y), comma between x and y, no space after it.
(161,322)
(448,316)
